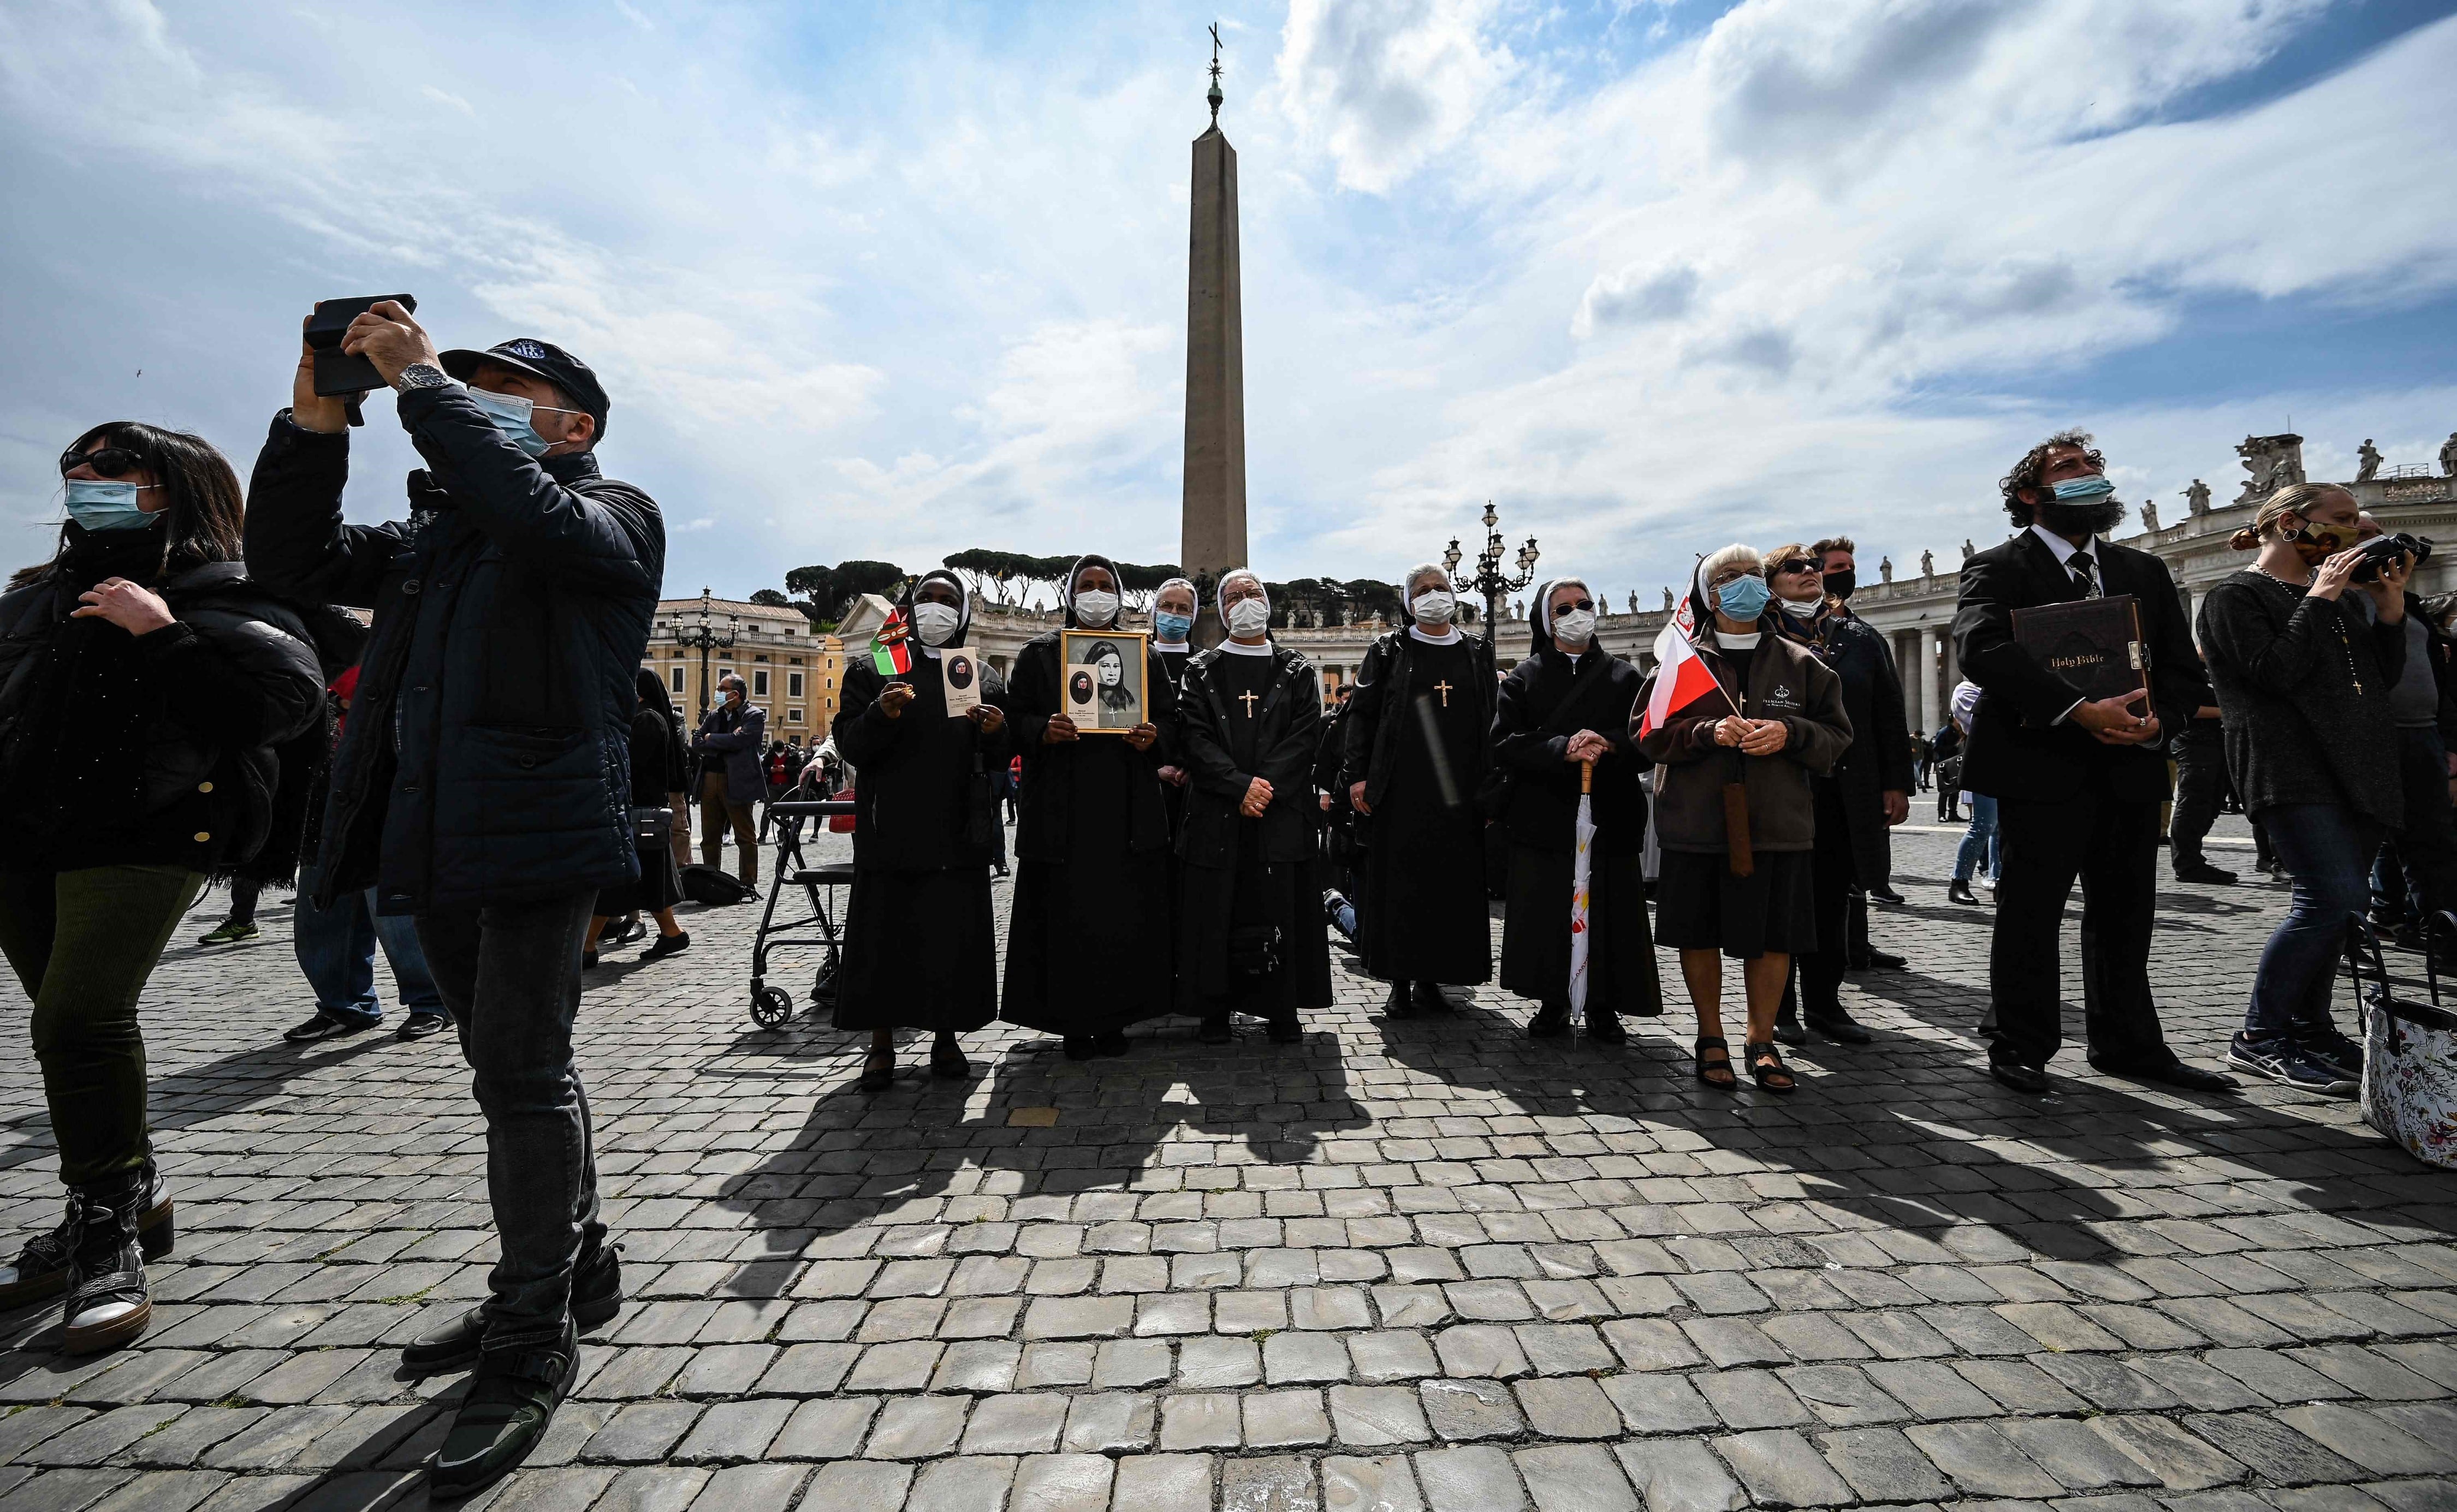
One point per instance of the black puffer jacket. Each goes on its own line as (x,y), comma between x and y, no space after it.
(487,757)
(217,694)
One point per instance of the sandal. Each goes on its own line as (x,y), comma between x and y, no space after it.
(1765,1074)
(879,1070)
(1716,1073)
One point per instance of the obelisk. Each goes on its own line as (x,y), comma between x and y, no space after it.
(1213,531)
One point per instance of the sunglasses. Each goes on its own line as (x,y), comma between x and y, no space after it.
(1582,606)
(1795,564)
(111,462)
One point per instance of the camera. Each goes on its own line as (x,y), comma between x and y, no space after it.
(2382,550)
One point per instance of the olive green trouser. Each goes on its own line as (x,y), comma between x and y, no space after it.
(82,944)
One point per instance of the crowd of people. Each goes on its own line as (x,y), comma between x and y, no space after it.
(478,777)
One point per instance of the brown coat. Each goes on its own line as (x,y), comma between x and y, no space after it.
(1786,682)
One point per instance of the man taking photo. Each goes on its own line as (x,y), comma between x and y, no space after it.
(2078,781)
(483,786)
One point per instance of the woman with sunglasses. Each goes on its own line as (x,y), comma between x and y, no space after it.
(1867,790)
(145,688)
(1564,714)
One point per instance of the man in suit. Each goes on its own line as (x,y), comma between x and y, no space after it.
(2078,781)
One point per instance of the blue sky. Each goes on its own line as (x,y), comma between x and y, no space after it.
(895,280)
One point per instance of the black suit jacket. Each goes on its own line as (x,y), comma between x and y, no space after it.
(2007,757)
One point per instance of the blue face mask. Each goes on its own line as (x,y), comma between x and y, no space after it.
(98,504)
(1743,598)
(2081,490)
(511,415)
(1173,628)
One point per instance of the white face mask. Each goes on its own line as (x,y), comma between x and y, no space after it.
(1248,617)
(1434,607)
(1096,608)
(1571,628)
(935,622)
(1802,608)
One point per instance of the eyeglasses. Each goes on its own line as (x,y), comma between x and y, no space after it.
(1582,606)
(111,461)
(1795,564)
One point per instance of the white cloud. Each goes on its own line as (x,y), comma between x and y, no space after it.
(1383,85)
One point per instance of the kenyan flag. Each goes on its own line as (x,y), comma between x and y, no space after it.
(891,651)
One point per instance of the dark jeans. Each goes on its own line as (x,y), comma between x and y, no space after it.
(2327,848)
(243,893)
(2110,844)
(2200,788)
(2416,876)
(82,944)
(1833,871)
(337,954)
(510,974)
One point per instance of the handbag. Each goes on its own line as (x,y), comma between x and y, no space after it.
(651,828)
(2410,1091)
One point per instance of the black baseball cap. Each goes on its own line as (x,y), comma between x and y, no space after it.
(539,359)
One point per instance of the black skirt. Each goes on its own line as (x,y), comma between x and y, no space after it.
(659,885)
(921,950)
(1701,906)
(1536,934)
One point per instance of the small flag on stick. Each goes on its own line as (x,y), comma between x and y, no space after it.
(891,651)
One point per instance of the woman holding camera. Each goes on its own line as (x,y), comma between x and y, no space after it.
(145,685)
(2303,681)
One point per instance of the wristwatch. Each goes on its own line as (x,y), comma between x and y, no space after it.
(421,376)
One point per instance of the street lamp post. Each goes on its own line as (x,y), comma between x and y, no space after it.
(707,637)
(1491,582)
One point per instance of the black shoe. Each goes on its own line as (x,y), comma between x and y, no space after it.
(1283,1030)
(419,1026)
(1839,1027)
(588,960)
(1884,895)
(1606,1029)
(2174,1074)
(1873,959)
(42,1266)
(596,1297)
(664,945)
(1401,1004)
(1552,1021)
(1787,1024)
(323,1025)
(1959,891)
(948,1063)
(2020,1077)
(877,1071)
(1111,1044)
(1429,999)
(2195,870)
(1078,1046)
(1215,1030)
(108,1303)
(512,1399)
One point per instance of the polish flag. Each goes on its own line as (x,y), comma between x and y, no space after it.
(1681,677)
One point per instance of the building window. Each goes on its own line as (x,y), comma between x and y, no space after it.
(678,679)
(759,682)
(792,716)
(793,685)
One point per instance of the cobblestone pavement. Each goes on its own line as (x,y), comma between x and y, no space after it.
(1424,1264)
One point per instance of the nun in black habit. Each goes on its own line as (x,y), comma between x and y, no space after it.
(1416,739)
(1567,704)
(1251,929)
(919,947)
(1091,843)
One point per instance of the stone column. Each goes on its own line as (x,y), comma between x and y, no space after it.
(1937,649)
(1213,522)
(1915,693)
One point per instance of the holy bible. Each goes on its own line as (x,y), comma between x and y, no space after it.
(2093,643)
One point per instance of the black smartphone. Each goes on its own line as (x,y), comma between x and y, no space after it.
(336,372)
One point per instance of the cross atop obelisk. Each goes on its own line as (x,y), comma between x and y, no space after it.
(1213,531)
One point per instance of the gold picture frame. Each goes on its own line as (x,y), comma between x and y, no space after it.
(1101,680)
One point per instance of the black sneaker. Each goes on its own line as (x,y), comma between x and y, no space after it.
(42,1266)
(2333,1052)
(596,1297)
(108,1304)
(230,931)
(323,1025)
(512,1398)
(419,1026)
(2281,1062)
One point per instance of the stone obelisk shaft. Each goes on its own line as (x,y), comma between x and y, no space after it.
(1213,537)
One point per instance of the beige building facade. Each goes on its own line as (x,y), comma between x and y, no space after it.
(793,668)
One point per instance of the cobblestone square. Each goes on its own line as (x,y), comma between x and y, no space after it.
(1426,1264)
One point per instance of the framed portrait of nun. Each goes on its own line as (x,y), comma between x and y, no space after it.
(1101,680)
